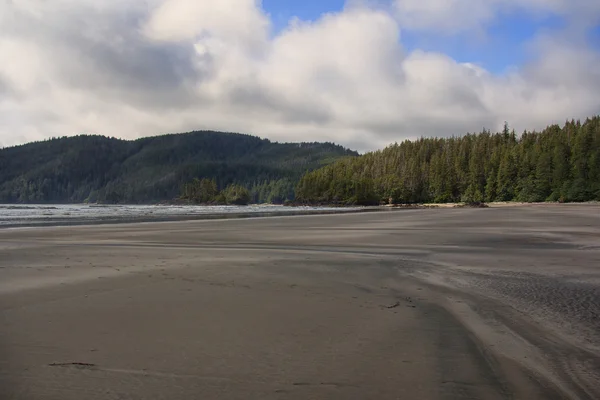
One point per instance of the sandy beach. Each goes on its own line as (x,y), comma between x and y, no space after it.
(456,303)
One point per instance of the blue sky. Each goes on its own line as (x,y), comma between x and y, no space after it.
(503,47)
(282,10)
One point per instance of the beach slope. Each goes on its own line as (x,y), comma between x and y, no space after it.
(414,304)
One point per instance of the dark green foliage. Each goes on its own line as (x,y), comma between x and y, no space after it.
(274,192)
(205,191)
(100,169)
(201,191)
(557,164)
(236,195)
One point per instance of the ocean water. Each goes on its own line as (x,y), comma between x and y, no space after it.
(69,214)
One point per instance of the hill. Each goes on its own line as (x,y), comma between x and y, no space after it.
(557,164)
(101,169)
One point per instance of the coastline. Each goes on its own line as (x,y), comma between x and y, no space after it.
(56,222)
(288,210)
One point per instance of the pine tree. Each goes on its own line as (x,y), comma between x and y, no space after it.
(543,177)
(507,174)
(555,164)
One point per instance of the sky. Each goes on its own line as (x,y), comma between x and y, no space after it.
(362,73)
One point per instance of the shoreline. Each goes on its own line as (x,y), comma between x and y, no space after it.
(114,220)
(177,218)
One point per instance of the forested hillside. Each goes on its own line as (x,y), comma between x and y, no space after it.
(101,169)
(557,164)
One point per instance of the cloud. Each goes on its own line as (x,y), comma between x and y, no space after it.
(129,68)
(459,16)
(231,21)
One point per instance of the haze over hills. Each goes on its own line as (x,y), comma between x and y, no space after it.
(101,169)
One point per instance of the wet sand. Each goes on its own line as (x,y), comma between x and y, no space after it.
(496,303)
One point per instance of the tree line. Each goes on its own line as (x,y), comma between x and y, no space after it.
(98,169)
(205,191)
(557,164)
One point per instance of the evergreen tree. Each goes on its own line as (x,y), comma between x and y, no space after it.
(543,177)
(236,195)
(557,164)
(89,168)
(507,174)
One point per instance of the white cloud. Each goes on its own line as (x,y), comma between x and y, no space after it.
(128,68)
(230,20)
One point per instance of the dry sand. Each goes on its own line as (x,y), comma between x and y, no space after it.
(492,303)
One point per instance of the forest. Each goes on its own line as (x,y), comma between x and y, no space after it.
(557,164)
(98,169)
(205,191)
